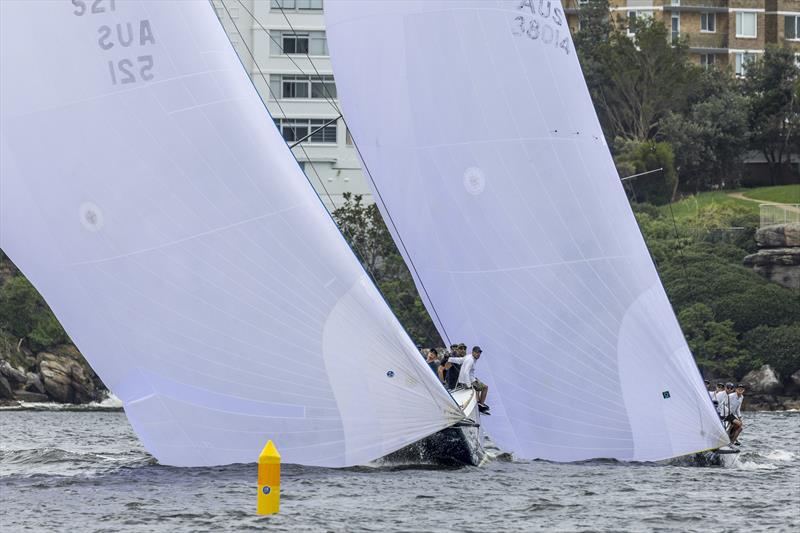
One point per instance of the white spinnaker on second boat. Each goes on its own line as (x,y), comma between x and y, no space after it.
(491,169)
(148,195)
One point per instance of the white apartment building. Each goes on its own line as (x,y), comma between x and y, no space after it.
(283,46)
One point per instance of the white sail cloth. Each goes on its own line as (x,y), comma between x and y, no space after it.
(491,169)
(149,197)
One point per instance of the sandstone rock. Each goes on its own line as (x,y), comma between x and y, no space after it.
(28,396)
(11,374)
(5,389)
(780,265)
(764,380)
(64,379)
(778,236)
(34,383)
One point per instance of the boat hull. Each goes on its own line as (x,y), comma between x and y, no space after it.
(454,446)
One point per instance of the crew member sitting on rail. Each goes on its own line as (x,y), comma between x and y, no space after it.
(712,393)
(453,370)
(721,400)
(735,417)
(466,377)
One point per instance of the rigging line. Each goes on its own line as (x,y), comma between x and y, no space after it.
(352,241)
(331,121)
(330,99)
(326,94)
(376,189)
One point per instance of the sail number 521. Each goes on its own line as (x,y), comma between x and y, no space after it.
(126,71)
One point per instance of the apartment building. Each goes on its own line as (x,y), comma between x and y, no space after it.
(718,32)
(283,46)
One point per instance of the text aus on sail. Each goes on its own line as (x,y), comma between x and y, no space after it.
(539,21)
(128,38)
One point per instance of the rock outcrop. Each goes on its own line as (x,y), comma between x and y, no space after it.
(765,380)
(778,257)
(64,379)
(59,375)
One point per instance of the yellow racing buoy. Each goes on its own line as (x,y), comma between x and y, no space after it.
(269,480)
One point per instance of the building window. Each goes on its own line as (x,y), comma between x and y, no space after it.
(294,129)
(746,25)
(633,16)
(297,4)
(707,60)
(676,27)
(304,42)
(708,22)
(348,139)
(742,59)
(675,2)
(300,86)
(791,28)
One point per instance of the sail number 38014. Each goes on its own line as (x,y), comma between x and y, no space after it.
(540,21)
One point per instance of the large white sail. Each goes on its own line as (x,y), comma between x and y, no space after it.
(490,166)
(148,195)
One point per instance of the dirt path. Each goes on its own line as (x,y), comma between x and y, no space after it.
(787,207)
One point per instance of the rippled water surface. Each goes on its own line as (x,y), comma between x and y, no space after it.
(86,471)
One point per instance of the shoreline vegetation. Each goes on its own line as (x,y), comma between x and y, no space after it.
(739,326)
(699,221)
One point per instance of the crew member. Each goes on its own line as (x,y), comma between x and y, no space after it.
(712,393)
(721,400)
(433,360)
(735,400)
(452,372)
(466,377)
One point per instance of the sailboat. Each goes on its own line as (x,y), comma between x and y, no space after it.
(145,191)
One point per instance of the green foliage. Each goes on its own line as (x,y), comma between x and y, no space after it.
(772,86)
(785,194)
(635,157)
(709,140)
(777,346)
(719,302)
(634,82)
(714,344)
(24,314)
(371,241)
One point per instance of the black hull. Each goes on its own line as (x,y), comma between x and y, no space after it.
(454,447)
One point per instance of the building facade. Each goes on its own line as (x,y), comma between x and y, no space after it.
(283,46)
(718,32)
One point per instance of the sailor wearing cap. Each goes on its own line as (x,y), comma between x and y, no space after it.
(466,377)
(735,417)
(721,400)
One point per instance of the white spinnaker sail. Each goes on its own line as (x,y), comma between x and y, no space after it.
(490,166)
(148,195)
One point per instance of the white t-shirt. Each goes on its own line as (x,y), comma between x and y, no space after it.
(722,403)
(467,374)
(735,402)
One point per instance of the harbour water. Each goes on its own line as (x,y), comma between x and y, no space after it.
(86,471)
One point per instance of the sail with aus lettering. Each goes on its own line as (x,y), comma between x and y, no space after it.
(147,194)
(487,160)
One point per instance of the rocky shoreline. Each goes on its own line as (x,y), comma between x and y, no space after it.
(62,376)
(59,375)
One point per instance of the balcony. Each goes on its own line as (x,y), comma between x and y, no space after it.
(698,6)
(708,42)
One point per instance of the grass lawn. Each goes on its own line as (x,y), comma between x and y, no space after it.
(689,206)
(784,194)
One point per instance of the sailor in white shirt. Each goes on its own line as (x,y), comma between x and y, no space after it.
(735,408)
(466,376)
(722,400)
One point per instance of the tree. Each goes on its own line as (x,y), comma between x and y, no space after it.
(709,141)
(636,157)
(777,346)
(634,82)
(772,87)
(363,227)
(714,344)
